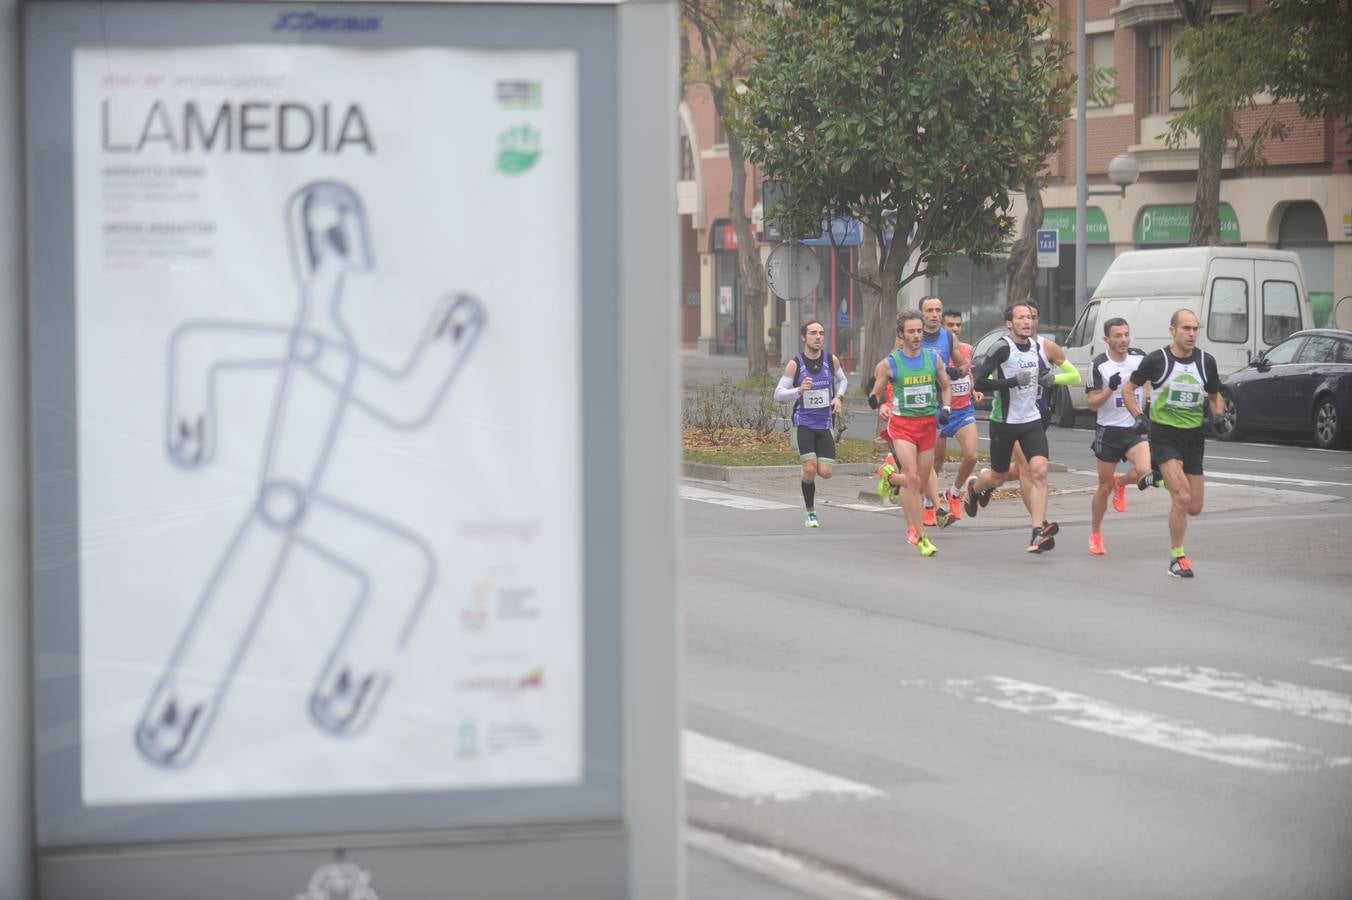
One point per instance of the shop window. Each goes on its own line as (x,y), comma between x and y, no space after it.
(1228,320)
(1281,311)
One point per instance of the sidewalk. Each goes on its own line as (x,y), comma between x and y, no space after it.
(697,369)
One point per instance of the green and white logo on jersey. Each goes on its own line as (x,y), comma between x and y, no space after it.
(1180,401)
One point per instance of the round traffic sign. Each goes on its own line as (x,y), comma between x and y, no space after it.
(792,271)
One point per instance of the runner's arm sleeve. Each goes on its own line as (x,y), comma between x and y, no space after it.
(1068,374)
(842,380)
(785,391)
(983,380)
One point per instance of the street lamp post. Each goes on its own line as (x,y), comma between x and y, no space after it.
(1122,171)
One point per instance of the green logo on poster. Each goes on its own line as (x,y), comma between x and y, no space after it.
(518,149)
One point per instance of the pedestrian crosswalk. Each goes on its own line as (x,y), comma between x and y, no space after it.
(747,774)
(1280,696)
(734,501)
(1174,734)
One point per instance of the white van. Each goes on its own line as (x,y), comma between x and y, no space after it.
(1246,300)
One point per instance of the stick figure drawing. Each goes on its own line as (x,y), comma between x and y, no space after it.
(322,378)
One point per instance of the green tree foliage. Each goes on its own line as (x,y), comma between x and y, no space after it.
(916,117)
(1289,50)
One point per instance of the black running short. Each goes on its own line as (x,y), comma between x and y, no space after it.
(1186,444)
(1111,442)
(815,443)
(1030,436)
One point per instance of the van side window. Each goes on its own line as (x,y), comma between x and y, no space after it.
(1085,330)
(1228,320)
(1281,311)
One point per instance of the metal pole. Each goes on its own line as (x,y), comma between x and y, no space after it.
(16,813)
(1081,165)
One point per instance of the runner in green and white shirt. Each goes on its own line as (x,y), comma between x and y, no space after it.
(1184,379)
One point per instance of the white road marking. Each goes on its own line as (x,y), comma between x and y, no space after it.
(865,507)
(1286,447)
(1247,751)
(733,501)
(1276,479)
(1235,458)
(1280,696)
(751,775)
(1342,663)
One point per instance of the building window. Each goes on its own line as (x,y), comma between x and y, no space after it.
(1100,59)
(1163,69)
(687,158)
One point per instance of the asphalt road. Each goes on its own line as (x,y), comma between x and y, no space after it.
(988,724)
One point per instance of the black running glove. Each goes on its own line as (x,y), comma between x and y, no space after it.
(954,373)
(944,413)
(1115,382)
(1142,425)
(872,401)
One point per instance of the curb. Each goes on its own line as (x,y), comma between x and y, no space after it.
(711,472)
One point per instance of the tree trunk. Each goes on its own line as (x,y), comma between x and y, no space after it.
(1021,271)
(874,333)
(753,273)
(889,280)
(1206,217)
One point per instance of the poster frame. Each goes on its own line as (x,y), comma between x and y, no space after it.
(52,31)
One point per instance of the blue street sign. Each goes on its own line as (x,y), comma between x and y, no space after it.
(1048,248)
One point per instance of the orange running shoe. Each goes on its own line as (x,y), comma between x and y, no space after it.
(1180,567)
(930,520)
(1119,495)
(911,537)
(954,506)
(1096,545)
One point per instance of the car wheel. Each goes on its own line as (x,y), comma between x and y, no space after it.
(1229,427)
(1063,411)
(1330,431)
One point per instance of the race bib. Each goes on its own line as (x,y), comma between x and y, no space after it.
(918,396)
(1186,394)
(818,398)
(962,387)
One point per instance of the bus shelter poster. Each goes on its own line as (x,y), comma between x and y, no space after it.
(329,421)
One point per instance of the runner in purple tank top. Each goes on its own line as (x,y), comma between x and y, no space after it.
(815,381)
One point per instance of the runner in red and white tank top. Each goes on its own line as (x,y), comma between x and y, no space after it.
(962,423)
